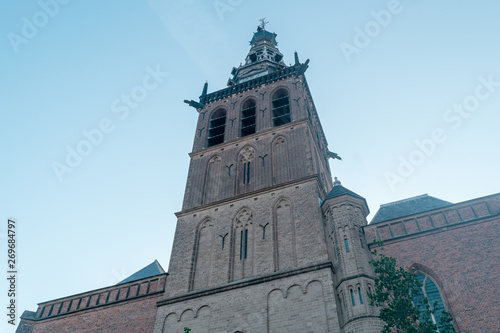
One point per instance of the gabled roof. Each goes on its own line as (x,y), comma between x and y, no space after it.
(150,270)
(406,207)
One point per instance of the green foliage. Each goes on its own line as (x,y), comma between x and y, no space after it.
(187,330)
(395,290)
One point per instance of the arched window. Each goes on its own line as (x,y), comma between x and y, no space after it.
(203,260)
(248,118)
(281,108)
(243,238)
(217,127)
(431,291)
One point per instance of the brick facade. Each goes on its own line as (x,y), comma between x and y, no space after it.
(458,247)
(128,307)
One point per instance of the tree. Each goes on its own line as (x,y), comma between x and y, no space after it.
(404,308)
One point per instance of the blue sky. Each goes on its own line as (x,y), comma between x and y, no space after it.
(408,93)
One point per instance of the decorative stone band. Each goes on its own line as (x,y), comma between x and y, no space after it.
(247,282)
(434,220)
(98,298)
(275,76)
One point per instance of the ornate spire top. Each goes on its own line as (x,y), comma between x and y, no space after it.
(263,58)
(263,23)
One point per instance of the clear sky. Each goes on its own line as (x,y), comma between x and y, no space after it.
(408,93)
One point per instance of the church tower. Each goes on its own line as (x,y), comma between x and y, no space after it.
(257,241)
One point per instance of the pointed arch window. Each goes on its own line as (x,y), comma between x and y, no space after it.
(431,291)
(248,117)
(217,127)
(281,108)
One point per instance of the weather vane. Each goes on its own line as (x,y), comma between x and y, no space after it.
(263,23)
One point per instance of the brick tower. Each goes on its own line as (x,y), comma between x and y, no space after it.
(256,247)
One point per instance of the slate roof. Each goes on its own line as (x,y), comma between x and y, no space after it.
(339,190)
(406,207)
(150,270)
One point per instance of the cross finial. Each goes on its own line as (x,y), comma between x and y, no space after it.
(263,23)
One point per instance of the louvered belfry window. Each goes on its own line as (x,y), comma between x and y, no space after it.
(281,108)
(217,128)
(248,118)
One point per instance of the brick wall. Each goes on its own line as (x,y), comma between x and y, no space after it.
(458,246)
(298,241)
(129,307)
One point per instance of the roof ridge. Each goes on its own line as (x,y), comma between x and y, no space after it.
(407,199)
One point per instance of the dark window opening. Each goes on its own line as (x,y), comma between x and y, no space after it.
(360,296)
(217,128)
(246,173)
(248,118)
(244,245)
(281,108)
(352,298)
(241,246)
(346,245)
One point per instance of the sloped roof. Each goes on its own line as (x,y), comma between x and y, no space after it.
(339,190)
(150,270)
(406,207)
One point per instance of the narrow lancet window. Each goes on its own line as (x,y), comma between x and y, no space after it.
(360,295)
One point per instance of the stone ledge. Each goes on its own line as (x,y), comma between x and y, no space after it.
(245,282)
